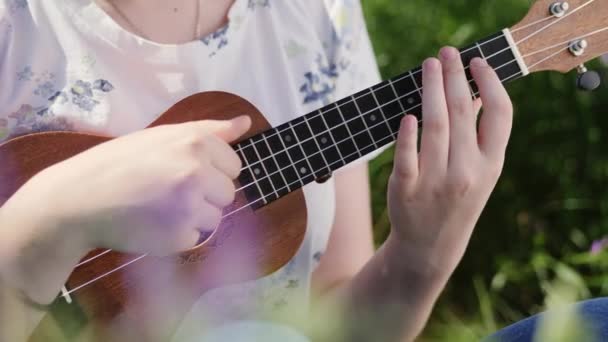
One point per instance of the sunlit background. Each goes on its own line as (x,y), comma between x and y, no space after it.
(541,238)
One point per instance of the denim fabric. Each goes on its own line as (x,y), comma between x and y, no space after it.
(594,312)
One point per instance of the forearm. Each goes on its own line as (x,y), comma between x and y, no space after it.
(36,257)
(391,298)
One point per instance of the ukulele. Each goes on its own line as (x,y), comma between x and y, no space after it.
(263,228)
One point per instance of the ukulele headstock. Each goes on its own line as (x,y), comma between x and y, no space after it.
(561,35)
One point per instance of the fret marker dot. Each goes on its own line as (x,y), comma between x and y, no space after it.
(303,170)
(372,118)
(288,138)
(323,140)
(257,171)
(410,100)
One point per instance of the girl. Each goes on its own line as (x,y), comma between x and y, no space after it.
(112,66)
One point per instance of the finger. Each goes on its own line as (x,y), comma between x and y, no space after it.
(223,157)
(463,133)
(497,119)
(477,106)
(227,130)
(405,167)
(435,126)
(177,242)
(163,242)
(218,189)
(209,217)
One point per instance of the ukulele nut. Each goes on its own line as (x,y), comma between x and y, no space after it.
(559,9)
(577,48)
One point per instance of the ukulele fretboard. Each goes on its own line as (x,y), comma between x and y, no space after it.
(287,157)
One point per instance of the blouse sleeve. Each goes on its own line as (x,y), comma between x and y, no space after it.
(351,52)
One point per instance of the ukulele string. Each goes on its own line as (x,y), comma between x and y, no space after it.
(557,19)
(67,293)
(562,50)
(467,50)
(350,155)
(261,160)
(256,182)
(320,112)
(420,121)
(565,42)
(555,22)
(278,171)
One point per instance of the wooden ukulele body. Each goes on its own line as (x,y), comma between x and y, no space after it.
(147,298)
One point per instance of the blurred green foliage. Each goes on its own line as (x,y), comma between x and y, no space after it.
(550,203)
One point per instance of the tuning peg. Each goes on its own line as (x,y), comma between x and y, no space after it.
(588,80)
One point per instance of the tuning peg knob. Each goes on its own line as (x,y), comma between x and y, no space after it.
(588,80)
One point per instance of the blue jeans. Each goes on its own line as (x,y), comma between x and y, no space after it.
(593,312)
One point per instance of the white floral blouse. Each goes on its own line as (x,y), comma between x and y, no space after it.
(66,65)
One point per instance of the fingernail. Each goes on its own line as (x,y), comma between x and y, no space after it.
(409,123)
(431,64)
(479,62)
(449,53)
(241,120)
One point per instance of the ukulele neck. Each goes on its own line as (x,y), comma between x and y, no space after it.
(287,157)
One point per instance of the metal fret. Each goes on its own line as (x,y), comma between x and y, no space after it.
(253,144)
(352,137)
(418,87)
(301,170)
(390,82)
(251,174)
(333,140)
(280,171)
(291,161)
(473,87)
(316,142)
(365,123)
(384,116)
(334,135)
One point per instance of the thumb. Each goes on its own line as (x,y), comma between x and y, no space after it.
(230,130)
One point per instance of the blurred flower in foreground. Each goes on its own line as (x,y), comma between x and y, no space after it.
(599,246)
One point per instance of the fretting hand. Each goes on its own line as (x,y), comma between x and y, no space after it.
(436,196)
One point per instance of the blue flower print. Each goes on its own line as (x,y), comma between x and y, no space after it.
(103,85)
(217,40)
(320,84)
(85,103)
(315,89)
(29,118)
(329,70)
(45,89)
(59,97)
(26,74)
(82,88)
(82,96)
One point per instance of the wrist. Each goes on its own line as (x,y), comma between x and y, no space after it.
(39,247)
(416,261)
